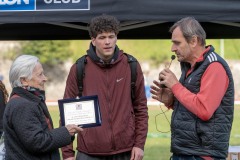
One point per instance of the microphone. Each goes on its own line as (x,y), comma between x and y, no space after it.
(172,58)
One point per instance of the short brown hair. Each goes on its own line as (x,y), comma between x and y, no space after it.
(190,27)
(103,23)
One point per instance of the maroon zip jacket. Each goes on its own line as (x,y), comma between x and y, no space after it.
(124,123)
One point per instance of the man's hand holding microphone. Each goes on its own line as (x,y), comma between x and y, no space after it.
(161,90)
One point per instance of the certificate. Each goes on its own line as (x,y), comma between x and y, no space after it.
(84,112)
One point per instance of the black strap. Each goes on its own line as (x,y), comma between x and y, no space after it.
(81,73)
(82,61)
(133,65)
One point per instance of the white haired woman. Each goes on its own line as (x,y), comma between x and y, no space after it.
(28,126)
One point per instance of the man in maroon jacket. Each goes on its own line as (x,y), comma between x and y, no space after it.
(123,132)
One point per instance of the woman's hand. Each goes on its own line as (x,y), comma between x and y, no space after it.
(72,129)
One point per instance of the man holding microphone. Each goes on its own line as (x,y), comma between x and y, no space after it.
(202,99)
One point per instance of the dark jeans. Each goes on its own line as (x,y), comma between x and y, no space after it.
(185,157)
(120,156)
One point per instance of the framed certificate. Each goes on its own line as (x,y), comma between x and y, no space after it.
(84,112)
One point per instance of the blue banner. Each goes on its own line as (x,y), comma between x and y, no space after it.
(17,5)
(43,5)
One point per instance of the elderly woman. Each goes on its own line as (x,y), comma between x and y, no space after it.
(28,127)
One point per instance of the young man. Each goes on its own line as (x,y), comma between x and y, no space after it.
(123,132)
(204,96)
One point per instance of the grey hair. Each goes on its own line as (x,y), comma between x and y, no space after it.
(22,67)
(190,27)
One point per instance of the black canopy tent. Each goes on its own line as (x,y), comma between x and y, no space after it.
(140,19)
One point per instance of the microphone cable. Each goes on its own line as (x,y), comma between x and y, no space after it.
(162,111)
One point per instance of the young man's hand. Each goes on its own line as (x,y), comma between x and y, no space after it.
(137,154)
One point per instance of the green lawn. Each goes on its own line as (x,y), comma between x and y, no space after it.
(158,144)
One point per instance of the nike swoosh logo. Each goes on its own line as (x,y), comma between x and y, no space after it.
(118,80)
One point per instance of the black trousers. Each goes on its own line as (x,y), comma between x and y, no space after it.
(120,156)
(190,157)
(185,157)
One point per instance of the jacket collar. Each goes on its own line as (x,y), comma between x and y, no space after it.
(26,94)
(91,52)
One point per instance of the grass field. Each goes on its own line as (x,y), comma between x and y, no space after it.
(158,143)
